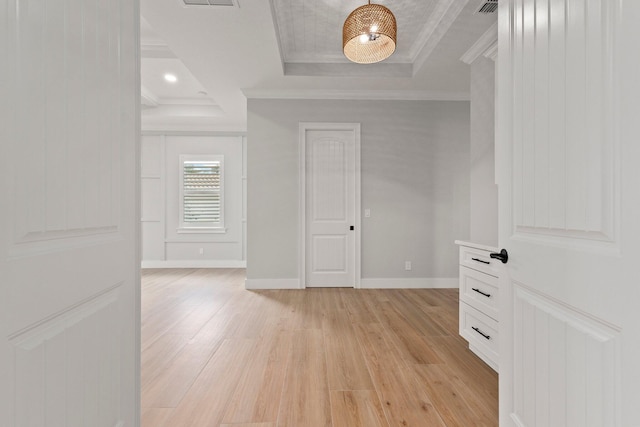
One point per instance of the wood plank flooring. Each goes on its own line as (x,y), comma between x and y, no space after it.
(217,355)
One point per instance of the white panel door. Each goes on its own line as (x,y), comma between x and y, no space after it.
(330,207)
(568,156)
(69,275)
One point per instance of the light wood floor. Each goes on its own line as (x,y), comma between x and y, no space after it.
(216,355)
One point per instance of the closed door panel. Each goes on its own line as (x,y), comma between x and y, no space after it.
(330,208)
(569,200)
(69,275)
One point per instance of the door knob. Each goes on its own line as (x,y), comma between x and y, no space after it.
(502,256)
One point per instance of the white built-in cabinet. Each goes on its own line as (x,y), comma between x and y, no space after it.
(479,293)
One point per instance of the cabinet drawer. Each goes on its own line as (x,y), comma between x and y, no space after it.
(479,260)
(481,331)
(480,291)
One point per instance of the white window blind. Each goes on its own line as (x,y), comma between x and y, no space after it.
(202,201)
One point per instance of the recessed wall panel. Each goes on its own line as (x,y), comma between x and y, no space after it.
(67,368)
(329,253)
(151,156)
(152,199)
(566,363)
(564,149)
(329,177)
(69,87)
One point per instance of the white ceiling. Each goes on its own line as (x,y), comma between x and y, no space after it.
(293,49)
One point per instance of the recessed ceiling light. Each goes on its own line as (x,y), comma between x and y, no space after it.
(170,78)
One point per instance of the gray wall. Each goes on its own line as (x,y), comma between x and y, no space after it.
(415,180)
(484,191)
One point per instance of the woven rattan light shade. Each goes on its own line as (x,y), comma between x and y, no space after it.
(369,34)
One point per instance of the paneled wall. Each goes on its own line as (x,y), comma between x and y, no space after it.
(162,243)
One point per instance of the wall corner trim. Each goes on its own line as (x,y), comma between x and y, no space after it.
(272,284)
(410,283)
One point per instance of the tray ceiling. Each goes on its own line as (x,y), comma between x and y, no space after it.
(310,34)
(292,49)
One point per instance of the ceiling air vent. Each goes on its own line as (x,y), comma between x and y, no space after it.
(488,6)
(211,3)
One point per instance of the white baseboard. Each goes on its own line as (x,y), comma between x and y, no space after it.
(272,284)
(410,283)
(195,263)
(393,283)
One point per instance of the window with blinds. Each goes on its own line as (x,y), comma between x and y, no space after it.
(202,191)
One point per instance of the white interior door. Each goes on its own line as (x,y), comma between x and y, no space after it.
(69,275)
(569,182)
(330,205)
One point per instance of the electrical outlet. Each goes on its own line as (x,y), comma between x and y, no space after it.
(407,265)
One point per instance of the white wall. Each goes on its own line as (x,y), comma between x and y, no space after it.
(162,244)
(484,191)
(415,180)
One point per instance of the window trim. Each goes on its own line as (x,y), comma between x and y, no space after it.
(185,227)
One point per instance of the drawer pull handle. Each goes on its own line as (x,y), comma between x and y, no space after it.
(481,293)
(479,260)
(481,333)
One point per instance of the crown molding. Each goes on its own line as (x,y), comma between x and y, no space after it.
(339,58)
(156,50)
(187,101)
(483,46)
(444,15)
(191,125)
(349,69)
(148,98)
(377,95)
(492,51)
(183,111)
